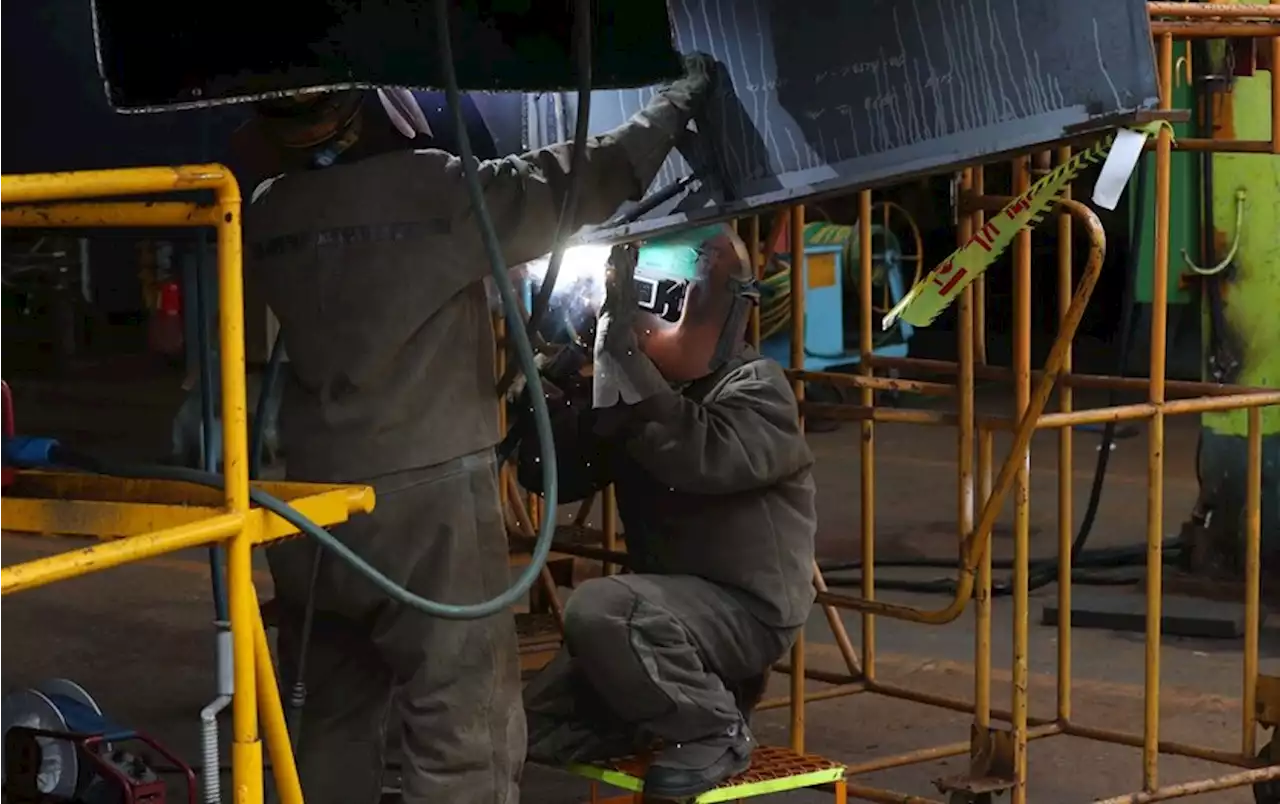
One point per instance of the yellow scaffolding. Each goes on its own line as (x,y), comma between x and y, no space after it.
(146,518)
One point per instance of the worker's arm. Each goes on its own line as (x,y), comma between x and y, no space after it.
(746,437)
(525,193)
(582,456)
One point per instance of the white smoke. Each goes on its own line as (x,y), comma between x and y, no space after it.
(579,289)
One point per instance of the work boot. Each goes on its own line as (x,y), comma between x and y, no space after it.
(686,770)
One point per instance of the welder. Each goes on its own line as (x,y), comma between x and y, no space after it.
(369,255)
(701,438)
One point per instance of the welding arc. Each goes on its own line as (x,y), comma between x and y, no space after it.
(1045,571)
(569,205)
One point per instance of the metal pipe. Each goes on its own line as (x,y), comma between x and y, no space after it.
(1166,747)
(31,188)
(839,691)
(225,690)
(141,214)
(1155,435)
(863,793)
(1252,584)
(1201,144)
(841,634)
(105,555)
(979,284)
(1213,30)
(1066,470)
(1200,10)
(1241,779)
(274,727)
(867,433)
(1087,381)
(246,749)
(874,383)
(1022,486)
(797,281)
(982,601)
(975,543)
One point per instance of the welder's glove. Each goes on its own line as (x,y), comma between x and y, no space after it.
(690,92)
(623,373)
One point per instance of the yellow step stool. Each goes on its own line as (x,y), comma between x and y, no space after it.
(773,770)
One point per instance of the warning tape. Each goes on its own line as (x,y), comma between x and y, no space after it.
(935,292)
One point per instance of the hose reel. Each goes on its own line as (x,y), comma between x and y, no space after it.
(58,746)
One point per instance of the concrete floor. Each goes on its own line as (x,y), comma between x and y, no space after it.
(139,637)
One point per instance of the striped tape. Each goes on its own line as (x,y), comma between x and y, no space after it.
(933,294)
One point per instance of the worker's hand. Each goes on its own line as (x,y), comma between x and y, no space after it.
(620,301)
(690,92)
(622,373)
(519,383)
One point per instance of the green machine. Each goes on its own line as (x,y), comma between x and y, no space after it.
(1224,267)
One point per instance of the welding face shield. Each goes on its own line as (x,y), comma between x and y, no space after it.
(319,128)
(695,291)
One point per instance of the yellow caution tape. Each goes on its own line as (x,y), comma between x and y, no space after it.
(931,295)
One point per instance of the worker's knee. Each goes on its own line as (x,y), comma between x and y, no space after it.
(598,609)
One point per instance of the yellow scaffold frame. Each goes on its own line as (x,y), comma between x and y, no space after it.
(145,519)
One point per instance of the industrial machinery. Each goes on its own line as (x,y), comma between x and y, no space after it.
(59,748)
(831,289)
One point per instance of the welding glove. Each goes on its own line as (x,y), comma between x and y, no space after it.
(690,92)
(623,374)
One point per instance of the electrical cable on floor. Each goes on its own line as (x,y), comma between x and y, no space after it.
(1045,571)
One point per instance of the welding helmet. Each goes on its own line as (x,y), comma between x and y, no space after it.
(695,290)
(321,126)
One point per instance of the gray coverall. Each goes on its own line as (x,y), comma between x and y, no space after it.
(374,270)
(717,503)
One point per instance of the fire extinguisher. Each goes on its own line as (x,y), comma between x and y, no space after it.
(9,431)
(165,333)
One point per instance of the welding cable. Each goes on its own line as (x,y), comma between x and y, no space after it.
(1045,571)
(569,204)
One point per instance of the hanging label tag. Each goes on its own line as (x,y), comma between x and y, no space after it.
(1119,166)
(933,294)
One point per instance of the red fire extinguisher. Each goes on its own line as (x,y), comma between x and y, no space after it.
(165,331)
(8,430)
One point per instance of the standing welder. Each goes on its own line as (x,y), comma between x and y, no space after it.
(373,266)
(702,439)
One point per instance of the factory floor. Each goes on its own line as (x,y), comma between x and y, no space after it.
(139,637)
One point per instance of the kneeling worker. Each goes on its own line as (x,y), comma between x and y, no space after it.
(702,438)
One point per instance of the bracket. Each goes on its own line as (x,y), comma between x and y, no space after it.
(992,767)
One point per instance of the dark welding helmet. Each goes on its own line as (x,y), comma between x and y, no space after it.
(695,290)
(321,126)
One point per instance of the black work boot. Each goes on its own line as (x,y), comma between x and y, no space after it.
(686,770)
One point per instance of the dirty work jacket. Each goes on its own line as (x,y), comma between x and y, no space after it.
(713,482)
(374,270)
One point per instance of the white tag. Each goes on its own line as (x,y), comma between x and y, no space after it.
(1119,167)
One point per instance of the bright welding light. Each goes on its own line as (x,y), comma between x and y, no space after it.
(580,286)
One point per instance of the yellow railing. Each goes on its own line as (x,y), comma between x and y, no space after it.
(144,519)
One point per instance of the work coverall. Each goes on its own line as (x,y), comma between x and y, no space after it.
(717,505)
(375,270)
